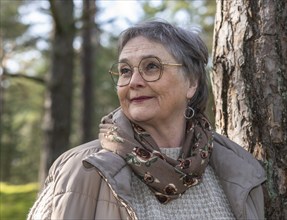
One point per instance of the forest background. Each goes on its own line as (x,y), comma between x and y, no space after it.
(55,86)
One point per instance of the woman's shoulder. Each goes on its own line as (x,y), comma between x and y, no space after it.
(70,186)
(75,155)
(224,144)
(231,153)
(83,149)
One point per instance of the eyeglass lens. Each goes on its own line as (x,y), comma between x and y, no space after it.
(149,68)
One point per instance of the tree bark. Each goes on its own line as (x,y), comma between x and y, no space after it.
(88,16)
(58,101)
(250,87)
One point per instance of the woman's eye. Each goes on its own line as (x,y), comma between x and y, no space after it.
(152,67)
(125,72)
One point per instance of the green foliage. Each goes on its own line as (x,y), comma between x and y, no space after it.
(105,97)
(151,10)
(9,17)
(20,130)
(16,200)
(185,13)
(21,99)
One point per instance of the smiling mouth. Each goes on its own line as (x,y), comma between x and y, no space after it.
(140,98)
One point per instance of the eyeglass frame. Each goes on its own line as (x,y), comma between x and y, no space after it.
(139,70)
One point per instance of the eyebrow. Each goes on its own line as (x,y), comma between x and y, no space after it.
(125,60)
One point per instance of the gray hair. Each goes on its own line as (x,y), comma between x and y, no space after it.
(184,45)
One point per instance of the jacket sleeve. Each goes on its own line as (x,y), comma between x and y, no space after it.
(241,176)
(41,208)
(75,194)
(71,190)
(255,204)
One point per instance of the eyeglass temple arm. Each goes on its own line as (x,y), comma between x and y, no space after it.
(172,64)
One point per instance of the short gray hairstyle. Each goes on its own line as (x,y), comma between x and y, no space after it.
(185,46)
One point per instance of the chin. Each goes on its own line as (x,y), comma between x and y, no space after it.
(139,116)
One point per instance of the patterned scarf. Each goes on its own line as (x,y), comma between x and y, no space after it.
(166,177)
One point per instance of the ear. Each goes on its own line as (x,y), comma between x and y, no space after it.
(191,90)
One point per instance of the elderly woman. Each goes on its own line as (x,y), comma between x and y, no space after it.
(157,156)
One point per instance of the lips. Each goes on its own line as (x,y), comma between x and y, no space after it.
(140,98)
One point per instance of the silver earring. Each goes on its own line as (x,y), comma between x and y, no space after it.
(189,112)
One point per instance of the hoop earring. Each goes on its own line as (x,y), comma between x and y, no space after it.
(189,113)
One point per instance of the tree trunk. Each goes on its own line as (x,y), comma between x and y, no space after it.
(250,87)
(58,102)
(88,16)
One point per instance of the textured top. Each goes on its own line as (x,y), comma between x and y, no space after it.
(204,201)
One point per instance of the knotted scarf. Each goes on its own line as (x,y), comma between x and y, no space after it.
(167,178)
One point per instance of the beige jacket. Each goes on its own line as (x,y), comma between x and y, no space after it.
(88,182)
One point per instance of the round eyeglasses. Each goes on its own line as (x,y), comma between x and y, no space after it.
(150,69)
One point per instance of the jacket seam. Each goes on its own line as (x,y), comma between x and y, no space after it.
(115,174)
(80,193)
(115,203)
(257,183)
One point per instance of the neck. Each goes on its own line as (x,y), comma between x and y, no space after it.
(167,135)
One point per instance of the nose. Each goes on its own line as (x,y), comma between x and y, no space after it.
(136,79)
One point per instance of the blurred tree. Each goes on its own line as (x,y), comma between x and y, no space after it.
(58,101)
(20,100)
(250,87)
(88,16)
(105,90)
(198,15)
(7,145)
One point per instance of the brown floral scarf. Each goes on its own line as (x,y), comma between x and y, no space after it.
(166,177)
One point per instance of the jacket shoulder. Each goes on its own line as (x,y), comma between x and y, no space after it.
(235,164)
(75,188)
(225,145)
(76,154)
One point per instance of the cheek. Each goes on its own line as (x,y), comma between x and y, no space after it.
(121,95)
